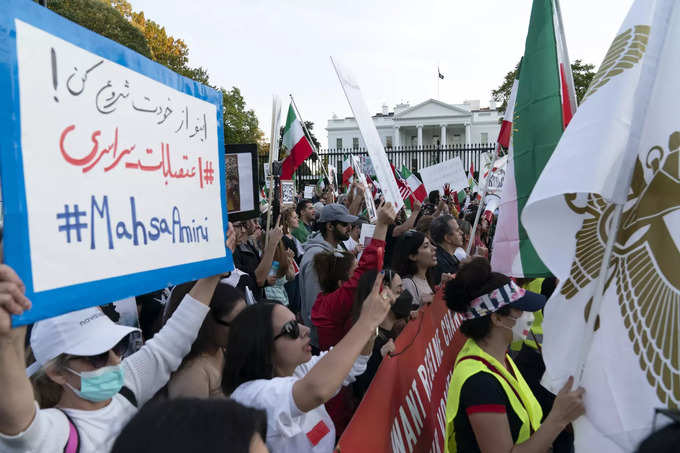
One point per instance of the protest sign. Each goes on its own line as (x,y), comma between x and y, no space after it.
(369,133)
(112,167)
(371,211)
(451,171)
(404,409)
(287,193)
(242,182)
(366,234)
(309,192)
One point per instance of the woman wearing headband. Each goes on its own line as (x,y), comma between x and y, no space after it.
(490,407)
(273,369)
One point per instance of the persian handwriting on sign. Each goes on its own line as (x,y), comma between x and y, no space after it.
(203,168)
(110,96)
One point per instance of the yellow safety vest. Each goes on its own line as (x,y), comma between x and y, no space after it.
(471,360)
(537,326)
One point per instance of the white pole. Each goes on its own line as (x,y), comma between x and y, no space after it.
(598,295)
(479,208)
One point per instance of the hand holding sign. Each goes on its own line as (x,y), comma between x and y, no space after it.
(12,298)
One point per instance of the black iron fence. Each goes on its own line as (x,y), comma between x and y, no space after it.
(413,157)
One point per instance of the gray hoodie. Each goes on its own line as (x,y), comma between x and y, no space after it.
(309,281)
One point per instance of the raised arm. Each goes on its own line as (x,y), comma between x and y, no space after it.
(357,200)
(17,407)
(410,222)
(262,269)
(323,380)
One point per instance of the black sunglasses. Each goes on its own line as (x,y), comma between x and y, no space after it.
(291,329)
(100,360)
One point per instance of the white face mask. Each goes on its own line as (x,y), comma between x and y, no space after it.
(520,330)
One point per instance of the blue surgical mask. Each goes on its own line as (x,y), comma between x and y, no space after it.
(99,385)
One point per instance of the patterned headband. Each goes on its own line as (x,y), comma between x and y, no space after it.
(490,302)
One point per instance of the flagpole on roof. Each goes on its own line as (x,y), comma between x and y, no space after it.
(309,137)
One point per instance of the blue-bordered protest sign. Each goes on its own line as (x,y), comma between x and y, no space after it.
(112,167)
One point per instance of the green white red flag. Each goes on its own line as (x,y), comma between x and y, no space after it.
(545,103)
(295,143)
(604,216)
(347,170)
(414,184)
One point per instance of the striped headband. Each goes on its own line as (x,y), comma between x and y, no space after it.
(490,302)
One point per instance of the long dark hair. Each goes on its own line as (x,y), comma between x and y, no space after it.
(223,301)
(252,358)
(192,424)
(408,244)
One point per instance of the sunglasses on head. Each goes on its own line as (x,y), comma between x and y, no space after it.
(100,360)
(291,329)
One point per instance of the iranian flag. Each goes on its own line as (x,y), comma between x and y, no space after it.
(604,216)
(415,184)
(347,170)
(506,127)
(545,103)
(296,144)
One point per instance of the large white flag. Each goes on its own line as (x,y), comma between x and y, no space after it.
(615,174)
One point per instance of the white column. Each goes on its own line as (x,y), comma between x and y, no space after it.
(397,138)
(420,136)
(442,137)
(467,133)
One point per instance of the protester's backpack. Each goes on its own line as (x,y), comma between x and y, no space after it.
(73,442)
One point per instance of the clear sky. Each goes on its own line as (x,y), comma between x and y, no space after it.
(393,47)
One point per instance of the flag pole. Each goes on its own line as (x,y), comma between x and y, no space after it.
(274,148)
(479,208)
(309,137)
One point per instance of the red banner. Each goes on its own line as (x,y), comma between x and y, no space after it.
(404,409)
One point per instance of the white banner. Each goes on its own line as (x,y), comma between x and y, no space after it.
(451,172)
(374,145)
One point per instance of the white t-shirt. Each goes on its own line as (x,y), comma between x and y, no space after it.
(289,430)
(145,372)
(460,253)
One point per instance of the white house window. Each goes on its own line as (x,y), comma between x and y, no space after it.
(355,142)
(338,143)
(388,141)
(485,137)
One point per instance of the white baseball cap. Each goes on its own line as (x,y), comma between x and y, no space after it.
(83,333)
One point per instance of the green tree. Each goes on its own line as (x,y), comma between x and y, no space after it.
(582,73)
(97,16)
(117,20)
(240,125)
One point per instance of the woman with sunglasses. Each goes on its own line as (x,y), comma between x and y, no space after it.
(80,353)
(200,375)
(273,369)
(413,257)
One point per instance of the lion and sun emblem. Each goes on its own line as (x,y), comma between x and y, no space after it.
(645,263)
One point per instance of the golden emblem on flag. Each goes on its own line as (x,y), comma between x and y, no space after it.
(645,263)
(625,51)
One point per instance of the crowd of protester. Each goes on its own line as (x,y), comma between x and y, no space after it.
(277,354)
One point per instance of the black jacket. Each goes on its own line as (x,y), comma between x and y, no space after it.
(446,264)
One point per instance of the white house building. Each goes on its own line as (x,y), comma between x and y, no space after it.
(429,123)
